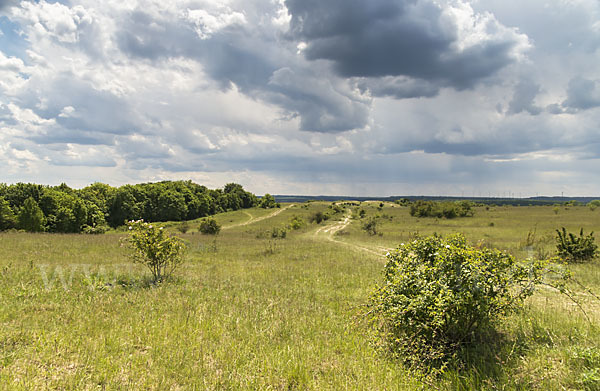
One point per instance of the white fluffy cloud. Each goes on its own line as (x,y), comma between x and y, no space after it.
(312,96)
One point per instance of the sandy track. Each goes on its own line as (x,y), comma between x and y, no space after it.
(257,219)
(328,232)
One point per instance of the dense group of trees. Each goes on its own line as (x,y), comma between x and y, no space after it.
(38,208)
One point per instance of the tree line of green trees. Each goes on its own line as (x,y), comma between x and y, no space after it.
(40,208)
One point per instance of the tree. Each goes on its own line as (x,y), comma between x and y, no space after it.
(31,218)
(123,207)
(7,217)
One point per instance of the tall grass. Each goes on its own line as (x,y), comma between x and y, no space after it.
(251,312)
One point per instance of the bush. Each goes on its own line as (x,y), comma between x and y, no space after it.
(95,230)
(441,294)
(594,204)
(370,226)
(296,223)
(278,233)
(152,247)
(209,227)
(183,227)
(575,249)
(448,210)
(318,217)
(268,202)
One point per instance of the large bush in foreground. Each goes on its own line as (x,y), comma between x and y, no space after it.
(440,294)
(154,248)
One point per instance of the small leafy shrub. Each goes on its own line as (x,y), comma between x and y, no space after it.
(556,209)
(318,217)
(278,233)
(575,249)
(336,208)
(95,230)
(362,213)
(152,247)
(296,223)
(594,204)
(183,227)
(439,295)
(268,202)
(209,227)
(370,226)
(402,201)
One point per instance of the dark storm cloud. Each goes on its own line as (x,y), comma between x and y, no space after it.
(255,66)
(7,3)
(524,97)
(394,38)
(321,105)
(399,87)
(582,94)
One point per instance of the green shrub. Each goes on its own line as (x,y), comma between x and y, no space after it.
(209,227)
(296,223)
(318,217)
(575,249)
(448,210)
(278,233)
(442,294)
(183,227)
(95,230)
(370,226)
(268,202)
(594,204)
(152,247)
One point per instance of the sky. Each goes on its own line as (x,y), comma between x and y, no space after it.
(305,97)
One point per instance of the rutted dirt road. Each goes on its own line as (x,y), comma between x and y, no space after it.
(328,232)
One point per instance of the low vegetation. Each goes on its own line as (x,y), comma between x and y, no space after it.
(573,248)
(246,310)
(447,210)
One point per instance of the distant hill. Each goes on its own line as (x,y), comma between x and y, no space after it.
(483,200)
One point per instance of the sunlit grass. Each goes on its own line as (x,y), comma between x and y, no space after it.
(251,312)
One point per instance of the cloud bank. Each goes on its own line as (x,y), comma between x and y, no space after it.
(332,96)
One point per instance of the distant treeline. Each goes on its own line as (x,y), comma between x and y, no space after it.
(539,201)
(39,208)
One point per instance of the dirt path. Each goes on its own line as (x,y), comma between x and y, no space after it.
(328,232)
(257,219)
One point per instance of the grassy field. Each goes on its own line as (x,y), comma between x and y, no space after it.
(249,311)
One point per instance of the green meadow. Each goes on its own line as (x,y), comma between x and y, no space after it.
(248,311)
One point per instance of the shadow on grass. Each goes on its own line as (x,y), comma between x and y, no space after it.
(485,362)
(134,283)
